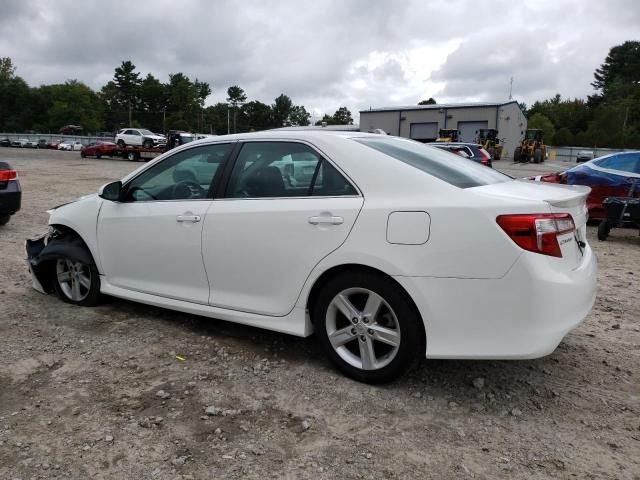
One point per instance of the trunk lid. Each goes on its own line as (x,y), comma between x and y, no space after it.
(569,199)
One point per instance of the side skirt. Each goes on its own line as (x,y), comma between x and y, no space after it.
(295,323)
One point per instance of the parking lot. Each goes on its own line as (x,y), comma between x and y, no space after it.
(100,392)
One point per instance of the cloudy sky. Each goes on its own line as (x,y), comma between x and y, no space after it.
(326,53)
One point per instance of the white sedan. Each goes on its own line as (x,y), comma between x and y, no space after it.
(70,145)
(387,249)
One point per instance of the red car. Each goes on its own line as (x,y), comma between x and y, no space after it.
(608,176)
(53,144)
(99,149)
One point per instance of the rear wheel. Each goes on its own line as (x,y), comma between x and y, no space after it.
(98,154)
(368,327)
(603,230)
(4,220)
(120,143)
(76,282)
(133,156)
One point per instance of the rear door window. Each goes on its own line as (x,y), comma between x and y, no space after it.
(284,169)
(455,170)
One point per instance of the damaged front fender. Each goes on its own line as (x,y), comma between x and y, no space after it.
(42,252)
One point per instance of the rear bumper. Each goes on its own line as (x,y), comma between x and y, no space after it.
(525,314)
(10,198)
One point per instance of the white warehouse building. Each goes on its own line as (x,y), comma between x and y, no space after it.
(423,122)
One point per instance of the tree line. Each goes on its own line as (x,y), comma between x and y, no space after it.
(609,118)
(131,100)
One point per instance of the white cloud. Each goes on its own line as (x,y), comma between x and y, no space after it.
(326,54)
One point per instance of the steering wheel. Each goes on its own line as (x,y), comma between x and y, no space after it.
(188,189)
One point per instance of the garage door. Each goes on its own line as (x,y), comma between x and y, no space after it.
(469,130)
(425,132)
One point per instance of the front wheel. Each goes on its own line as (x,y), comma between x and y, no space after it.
(537,156)
(76,283)
(4,220)
(517,153)
(147,144)
(367,326)
(98,154)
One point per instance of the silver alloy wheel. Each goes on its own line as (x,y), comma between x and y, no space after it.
(74,279)
(372,324)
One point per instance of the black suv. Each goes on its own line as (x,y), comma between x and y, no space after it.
(10,192)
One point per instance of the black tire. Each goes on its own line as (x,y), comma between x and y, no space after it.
(98,154)
(603,230)
(537,156)
(4,220)
(517,153)
(410,348)
(121,143)
(133,156)
(90,298)
(147,143)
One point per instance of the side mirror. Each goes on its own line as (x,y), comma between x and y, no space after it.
(111,191)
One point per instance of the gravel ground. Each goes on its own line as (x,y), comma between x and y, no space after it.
(100,392)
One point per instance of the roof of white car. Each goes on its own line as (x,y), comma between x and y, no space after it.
(289,134)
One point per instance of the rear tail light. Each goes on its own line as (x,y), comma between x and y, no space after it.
(537,232)
(486,157)
(6,175)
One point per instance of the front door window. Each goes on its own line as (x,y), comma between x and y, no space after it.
(186,175)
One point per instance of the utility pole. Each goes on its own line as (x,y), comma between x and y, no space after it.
(511,88)
(228,124)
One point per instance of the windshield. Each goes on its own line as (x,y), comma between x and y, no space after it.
(446,166)
(146,132)
(532,134)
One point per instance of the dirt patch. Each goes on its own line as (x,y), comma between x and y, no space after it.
(79,388)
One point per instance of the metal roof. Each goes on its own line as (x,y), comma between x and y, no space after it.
(437,106)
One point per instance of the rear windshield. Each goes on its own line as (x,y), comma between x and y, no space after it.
(451,168)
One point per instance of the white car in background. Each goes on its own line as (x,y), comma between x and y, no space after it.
(20,142)
(140,137)
(387,249)
(70,146)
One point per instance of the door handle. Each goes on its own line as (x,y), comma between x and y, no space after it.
(326,220)
(188,218)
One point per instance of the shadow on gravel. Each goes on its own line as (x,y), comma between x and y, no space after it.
(449,379)
(292,348)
